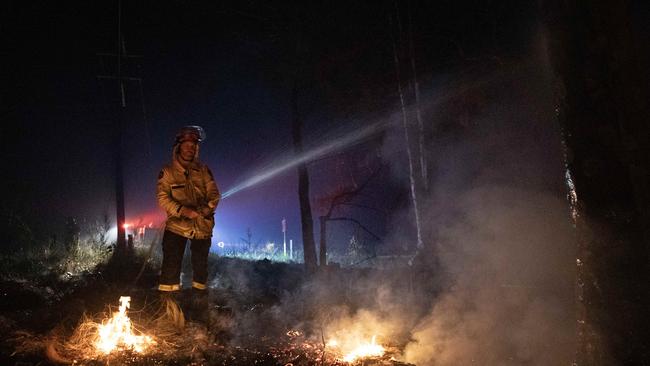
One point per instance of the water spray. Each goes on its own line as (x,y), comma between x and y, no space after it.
(340,143)
(354,137)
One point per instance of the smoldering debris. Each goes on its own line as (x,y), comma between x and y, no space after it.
(283,320)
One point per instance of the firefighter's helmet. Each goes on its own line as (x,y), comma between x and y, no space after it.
(186,133)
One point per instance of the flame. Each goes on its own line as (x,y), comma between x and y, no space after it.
(294,333)
(117,332)
(362,350)
(332,343)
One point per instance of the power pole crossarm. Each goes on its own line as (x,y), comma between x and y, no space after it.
(111,77)
(116,55)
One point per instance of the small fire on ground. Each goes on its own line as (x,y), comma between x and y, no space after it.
(348,349)
(360,350)
(118,333)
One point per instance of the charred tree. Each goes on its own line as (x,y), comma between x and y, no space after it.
(307,224)
(602,92)
(309,247)
(322,248)
(295,22)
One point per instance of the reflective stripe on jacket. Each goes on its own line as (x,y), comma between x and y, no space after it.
(193,187)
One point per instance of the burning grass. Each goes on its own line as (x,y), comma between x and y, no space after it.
(118,333)
(336,352)
(115,334)
(360,350)
(166,337)
(305,323)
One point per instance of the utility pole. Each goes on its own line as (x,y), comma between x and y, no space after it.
(117,132)
(284,234)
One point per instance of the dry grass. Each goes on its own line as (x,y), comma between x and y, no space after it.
(167,327)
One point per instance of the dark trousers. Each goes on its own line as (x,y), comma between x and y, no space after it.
(173,249)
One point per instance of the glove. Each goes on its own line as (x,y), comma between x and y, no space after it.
(189,213)
(205,211)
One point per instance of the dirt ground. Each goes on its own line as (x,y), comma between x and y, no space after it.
(258,313)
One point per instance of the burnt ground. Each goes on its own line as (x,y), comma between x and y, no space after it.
(260,313)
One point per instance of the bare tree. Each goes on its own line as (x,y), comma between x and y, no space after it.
(409,152)
(249,239)
(418,111)
(343,197)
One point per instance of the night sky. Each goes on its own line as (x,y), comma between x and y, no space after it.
(532,204)
(228,67)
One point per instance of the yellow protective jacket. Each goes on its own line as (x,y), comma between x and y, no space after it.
(193,187)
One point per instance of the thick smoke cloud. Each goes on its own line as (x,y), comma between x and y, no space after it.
(503,235)
(509,301)
(500,290)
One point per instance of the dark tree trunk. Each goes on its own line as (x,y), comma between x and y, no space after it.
(602,93)
(323,241)
(119,186)
(309,247)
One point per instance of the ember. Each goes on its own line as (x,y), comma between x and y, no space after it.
(118,333)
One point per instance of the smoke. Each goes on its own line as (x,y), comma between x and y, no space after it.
(500,222)
(337,141)
(510,298)
(500,286)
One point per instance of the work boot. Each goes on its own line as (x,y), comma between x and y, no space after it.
(199,311)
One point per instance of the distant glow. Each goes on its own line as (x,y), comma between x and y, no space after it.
(112,233)
(126,226)
(221,244)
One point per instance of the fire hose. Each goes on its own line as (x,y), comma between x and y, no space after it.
(156,239)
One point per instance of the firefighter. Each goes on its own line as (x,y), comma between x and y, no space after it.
(189,195)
